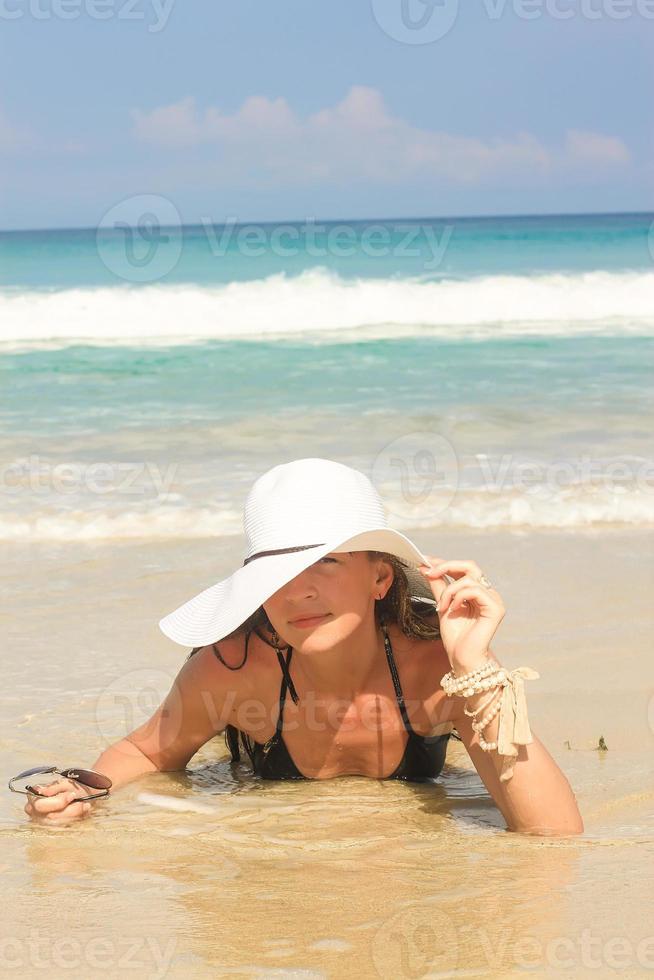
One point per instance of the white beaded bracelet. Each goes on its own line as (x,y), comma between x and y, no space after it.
(494,703)
(479,726)
(481,707)
(485,668)
(476,682)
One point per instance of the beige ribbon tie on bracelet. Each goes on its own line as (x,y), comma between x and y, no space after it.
(513,728)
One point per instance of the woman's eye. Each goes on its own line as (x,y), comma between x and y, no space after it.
(327,558)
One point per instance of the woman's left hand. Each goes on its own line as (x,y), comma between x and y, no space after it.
(468,611)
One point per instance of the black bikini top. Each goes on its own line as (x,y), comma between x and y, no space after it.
(423,759)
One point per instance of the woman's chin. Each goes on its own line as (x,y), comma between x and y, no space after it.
(320,637)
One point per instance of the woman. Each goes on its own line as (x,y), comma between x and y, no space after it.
(383,652)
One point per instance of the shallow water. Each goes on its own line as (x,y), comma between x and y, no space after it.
(213,873)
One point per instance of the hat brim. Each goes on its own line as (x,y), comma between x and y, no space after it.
(219,610)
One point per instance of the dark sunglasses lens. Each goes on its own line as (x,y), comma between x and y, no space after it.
(93,779)
(33,772)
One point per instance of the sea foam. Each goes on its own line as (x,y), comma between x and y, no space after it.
(320,305)
(571,508)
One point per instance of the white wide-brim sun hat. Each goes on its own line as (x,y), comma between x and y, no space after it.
(295,514)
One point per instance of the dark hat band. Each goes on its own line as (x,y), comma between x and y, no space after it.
(283,551)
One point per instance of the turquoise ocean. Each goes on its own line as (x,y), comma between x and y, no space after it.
(485,372)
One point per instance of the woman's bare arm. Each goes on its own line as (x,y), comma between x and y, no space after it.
(537,798)
(197,707)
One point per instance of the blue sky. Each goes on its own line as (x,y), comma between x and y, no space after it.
(292,109)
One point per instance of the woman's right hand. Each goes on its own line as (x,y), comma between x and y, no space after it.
(55,804)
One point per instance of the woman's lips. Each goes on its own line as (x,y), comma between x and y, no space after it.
(310,621)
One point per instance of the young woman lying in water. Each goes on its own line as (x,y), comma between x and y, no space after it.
(370,639)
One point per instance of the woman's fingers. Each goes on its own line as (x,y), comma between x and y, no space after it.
(462,596)
(58,786)
(433,573)
(453,589)
(58,802)
(461,572)
(51,804)
(57,808)
(73,812)
(454,568)
(467,588)
(476,593)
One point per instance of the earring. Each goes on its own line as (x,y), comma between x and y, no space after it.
(275,639)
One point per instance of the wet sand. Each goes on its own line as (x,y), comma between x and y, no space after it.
(342,878)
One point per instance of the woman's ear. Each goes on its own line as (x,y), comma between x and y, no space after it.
(385,574)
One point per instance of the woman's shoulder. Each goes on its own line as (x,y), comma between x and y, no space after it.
(240,656)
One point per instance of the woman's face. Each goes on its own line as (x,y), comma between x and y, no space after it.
(340,589)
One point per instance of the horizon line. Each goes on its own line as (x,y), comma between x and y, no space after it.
(330,221)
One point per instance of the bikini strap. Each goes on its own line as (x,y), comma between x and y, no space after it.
(399,696)
(287,684)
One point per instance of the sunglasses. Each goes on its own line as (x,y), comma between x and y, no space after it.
(94,780)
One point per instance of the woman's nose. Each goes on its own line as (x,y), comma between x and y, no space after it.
(300,587)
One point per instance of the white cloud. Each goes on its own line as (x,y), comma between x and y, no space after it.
(266,141)
(181,124)
(593,147)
